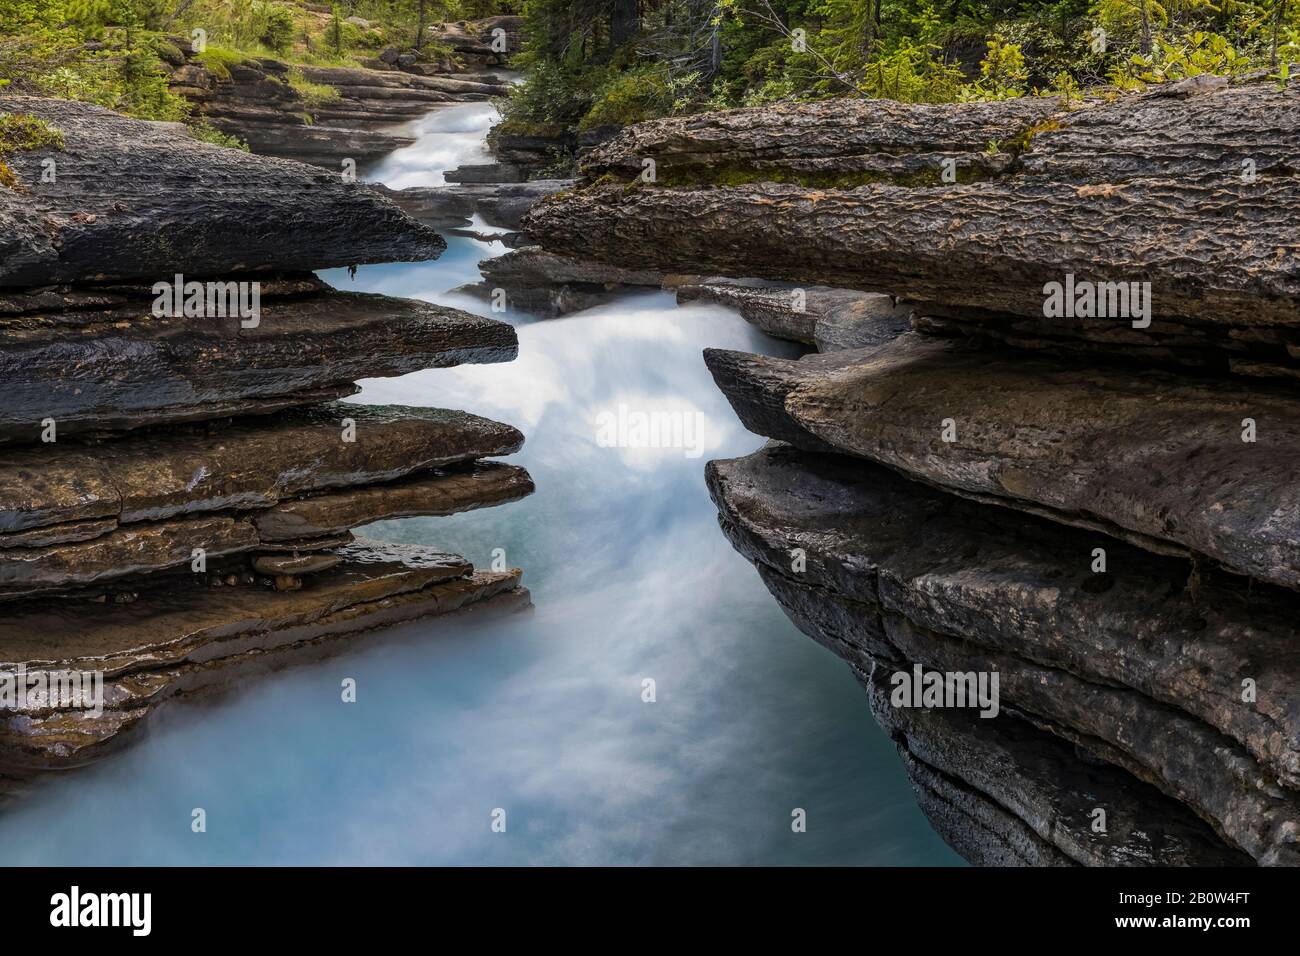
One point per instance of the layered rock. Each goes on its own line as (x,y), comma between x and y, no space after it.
(830,319)
(99,358)
(178,491)
(1011,490)
(139,200)
(1188,189)
(453,207)
(254,101)
(1005,794)
(1133,664)
(188,640)
(544,284)
(1153,459)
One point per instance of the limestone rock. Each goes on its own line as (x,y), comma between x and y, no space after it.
(1126,664)
(189,640)
(118,366)
(1154,459)
(832,319)
(134,199)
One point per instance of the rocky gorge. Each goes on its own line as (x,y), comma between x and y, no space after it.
(1097,509)
(179,486)
(1096,504)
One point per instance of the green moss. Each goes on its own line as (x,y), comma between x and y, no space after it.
(1021,143)
(27,132)
(22,131)
(219,59)
(312,94)
(205,132)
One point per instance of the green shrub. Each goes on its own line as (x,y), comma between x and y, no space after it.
(219,60)
(312,94)
(278,28)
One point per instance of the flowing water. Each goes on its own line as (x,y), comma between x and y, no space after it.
(540,714)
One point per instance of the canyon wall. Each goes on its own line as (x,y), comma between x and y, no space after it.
(1050,437)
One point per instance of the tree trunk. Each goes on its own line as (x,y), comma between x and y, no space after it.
(624,21)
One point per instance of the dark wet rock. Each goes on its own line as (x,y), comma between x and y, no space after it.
(144,200)
(981,831)
(1143,201)
(277,565)
(221,479)
(1029,799)
(480,486)
(831,319)
(452,207)
(246,465)
(189,639)
(120,367)
(1153,459)
(137,549)
(1128,665)
(542,283)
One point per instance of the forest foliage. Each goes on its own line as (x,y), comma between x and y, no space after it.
(114,52)
(589,66)
(593,63)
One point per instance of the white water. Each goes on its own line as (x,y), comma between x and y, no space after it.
(446,138)
(539,714)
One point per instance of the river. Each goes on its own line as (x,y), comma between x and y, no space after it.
(539,715)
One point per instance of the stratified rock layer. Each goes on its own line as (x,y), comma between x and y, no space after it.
(831,319)
(189,638)
(1157,195)
(1154,459)
(117,366)
(1006,794)
(1126,664)
(141,200)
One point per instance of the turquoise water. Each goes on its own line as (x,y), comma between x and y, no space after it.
(540,715)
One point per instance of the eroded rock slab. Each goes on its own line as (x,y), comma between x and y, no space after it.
(542,283)
(144,200)
(836,138)
(1147,189)
(70,489)
(117,366)
(1157,460)
(989,770)
(482,485)
(1127,665)
(831,319)
(190,638)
